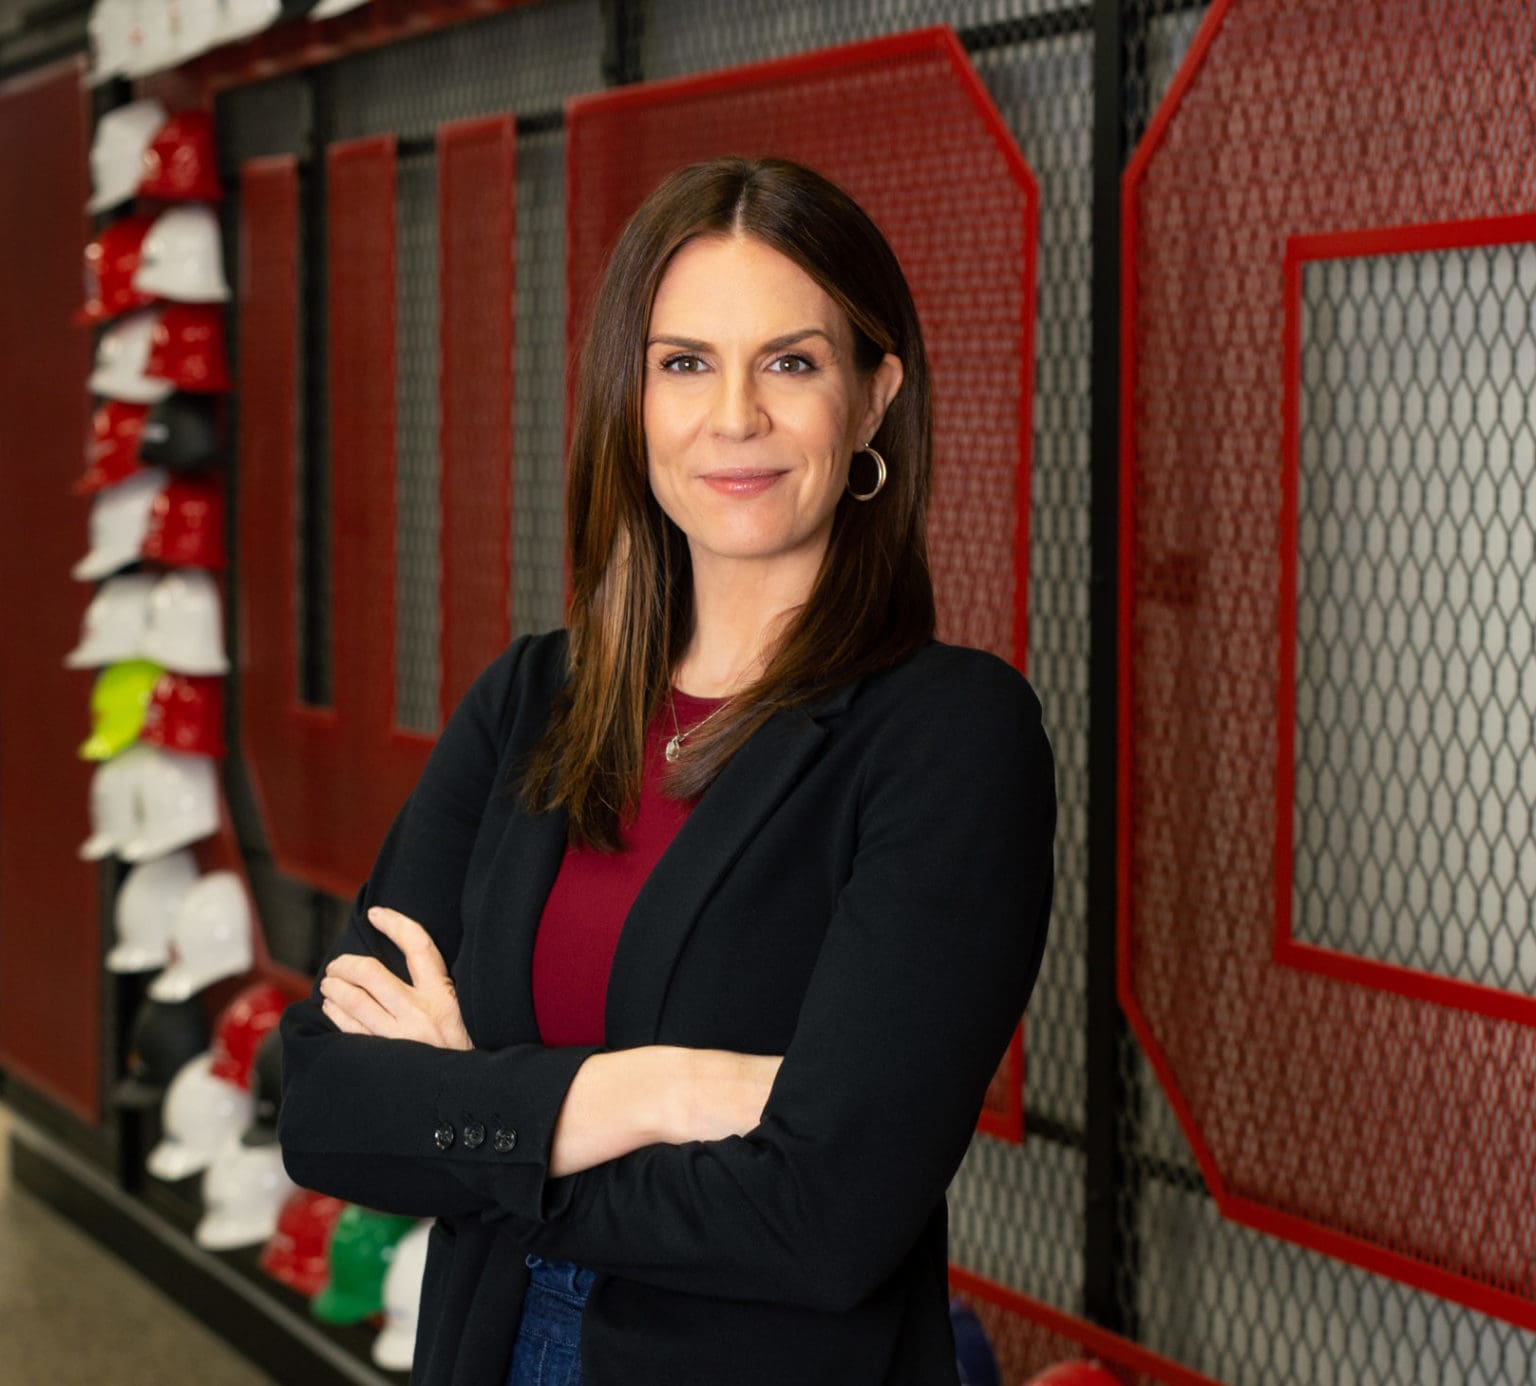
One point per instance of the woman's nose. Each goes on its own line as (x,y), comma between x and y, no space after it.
(736,410)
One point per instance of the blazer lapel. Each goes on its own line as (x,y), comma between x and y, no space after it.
(527,860)
(753,783)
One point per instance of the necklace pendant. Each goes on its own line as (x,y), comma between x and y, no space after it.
(674,749)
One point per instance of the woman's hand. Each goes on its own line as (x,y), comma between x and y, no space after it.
(363,997)
(721,1093)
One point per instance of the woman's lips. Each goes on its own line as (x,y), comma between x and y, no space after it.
(741,482)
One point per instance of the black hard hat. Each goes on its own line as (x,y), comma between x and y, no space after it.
(164,1036)
(267,1089)
(181,433)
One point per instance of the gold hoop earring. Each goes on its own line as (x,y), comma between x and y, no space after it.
(880,475)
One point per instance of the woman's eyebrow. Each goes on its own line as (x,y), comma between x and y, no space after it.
(788,339)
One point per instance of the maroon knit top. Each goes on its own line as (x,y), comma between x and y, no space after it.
(579,929)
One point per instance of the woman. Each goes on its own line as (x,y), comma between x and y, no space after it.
(679,979)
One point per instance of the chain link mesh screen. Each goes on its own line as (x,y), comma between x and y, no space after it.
(1225,1300)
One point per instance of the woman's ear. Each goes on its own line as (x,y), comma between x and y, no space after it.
(884,382)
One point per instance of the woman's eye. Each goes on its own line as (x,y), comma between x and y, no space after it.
(682,365)
(795,365)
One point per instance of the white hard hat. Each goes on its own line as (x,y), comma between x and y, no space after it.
(117,149)
(211,938)
(194,29)
(329,9)
(201,1116)
(243,1191)
(150,43)
(114,803)
(240,19)
(121,356)
(182,256)
(394,1347)
(110,27)
(178,804)
(114,622)
(185,626)
(147,904)
(119,521)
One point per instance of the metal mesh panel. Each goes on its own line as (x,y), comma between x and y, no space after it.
(1044,90)
(1345,1107)
(702,34)
(416,445)
(1015,1216)
(527,60)
(538,443)
(1243,1307)
(1415,684)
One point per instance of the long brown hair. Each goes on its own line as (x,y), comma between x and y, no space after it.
(631,608)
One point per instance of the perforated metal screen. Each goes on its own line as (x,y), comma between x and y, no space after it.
(1238,1304)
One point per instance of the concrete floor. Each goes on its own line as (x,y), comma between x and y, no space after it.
(71,1312)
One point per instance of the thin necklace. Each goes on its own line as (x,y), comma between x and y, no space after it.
(675,743)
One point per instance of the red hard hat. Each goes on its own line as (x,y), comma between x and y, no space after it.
(186,524)
(186,713)
(187,348)
(110,262)
(295,1252)
(239,1030)
(180,164)
(113,452)
(1075,1374)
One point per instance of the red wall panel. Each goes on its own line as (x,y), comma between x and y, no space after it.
(50,947)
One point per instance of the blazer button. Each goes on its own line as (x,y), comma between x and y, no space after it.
(504,1140)
(442,1138)
(474,1136)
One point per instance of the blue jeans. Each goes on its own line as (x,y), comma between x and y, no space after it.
(548,1347)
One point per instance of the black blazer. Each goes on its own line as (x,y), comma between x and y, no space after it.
(864,890)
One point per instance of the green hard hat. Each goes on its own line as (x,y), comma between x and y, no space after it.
(361,1247)
(119,700)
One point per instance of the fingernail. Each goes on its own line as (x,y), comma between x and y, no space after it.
(375,914)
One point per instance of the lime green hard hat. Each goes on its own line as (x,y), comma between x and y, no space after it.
(361,1247)
(119,700)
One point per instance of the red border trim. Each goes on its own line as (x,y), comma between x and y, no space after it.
(1479,998)
(1111,1347)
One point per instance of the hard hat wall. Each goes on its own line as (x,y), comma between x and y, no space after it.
(113,453)
(186,350)
(180,163)
(118,147)
(119,700)
(145,910)
(244,1189)
(186,524)
(201,1115)
(119,521)
(241,1027)
(178,804)
(210,939)
(295,1253)
(184,630)
(123,355)
(361,1248)
(115,803)
(186,713)
(164,1037)
(112,260)
(267,1089)
(395,1346)
(113,627)
(180,256)
(180,434)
